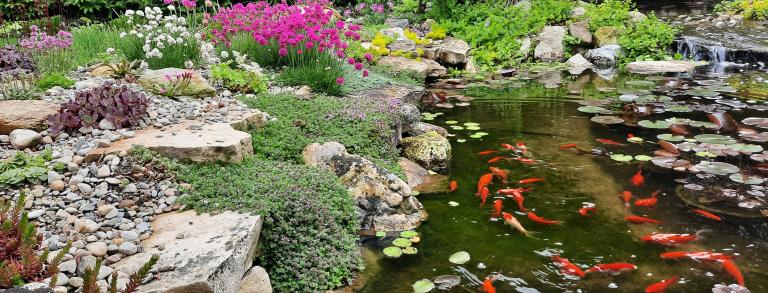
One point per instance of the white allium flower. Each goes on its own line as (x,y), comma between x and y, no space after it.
(130,12)
(157,9)
(224,54)
(160,45)
(172,41)
(110,50)
(171,7)
(133,32)
(198,36)
(140,35)
(140,13)
(179,41)
(189,64)
(146,48)
(123,34)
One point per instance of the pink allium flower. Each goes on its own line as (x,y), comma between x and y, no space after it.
(168,2)
(351,61)
(358,66)
(340,80)
(189,4)
(365,73)
(368,57)
(283,52)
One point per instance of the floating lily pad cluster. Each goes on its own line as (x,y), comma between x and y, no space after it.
(471,127)
(444,282)
(401,245)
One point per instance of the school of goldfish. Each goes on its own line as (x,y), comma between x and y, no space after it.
(519,152)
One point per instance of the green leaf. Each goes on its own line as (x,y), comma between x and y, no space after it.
(643,158)
(635,139)
(670,137)
(401,242)
(459,258)
(408,234)
(423,286)
(410,250)
(745,179)
(393,252)
(593,109)
(718,168)
(381,234)
(660,124)
(621,157)
(715,139)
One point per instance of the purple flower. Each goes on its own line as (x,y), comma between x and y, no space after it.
(358,66)
(340,80)
(365,73)
(189,4)
(168,2)
(368,57)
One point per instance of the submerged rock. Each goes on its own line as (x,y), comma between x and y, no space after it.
(431,150)
(550,47)
(426,67)
(384,201)
(420,179)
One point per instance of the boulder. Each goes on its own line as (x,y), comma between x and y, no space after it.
(426,67)
(606,35)
(421,180)
(393,32)
(193,141)
(213,255)
(25,114)
(256,280)
(25,138)
(152,80)
(577,64)
(550,47)
(580,30)
(431,150)
(578,12)
(450,51)
(636,17)
(525,46)
(605,56)
(650,67)
(384,201)
(102,71)
(396,22)
(402,44)
(420,128)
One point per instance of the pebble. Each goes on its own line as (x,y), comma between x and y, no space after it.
(127,248)
(97,248)
(58,185)
(129,235)
(35,214)
(76,282)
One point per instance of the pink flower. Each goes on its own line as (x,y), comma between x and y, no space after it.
(283,52)
(358,66)
(189,4)
(368,57)
(168,2)
(365,73)
(351,61)
(340,80)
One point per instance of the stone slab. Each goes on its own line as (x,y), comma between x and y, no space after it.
(25,114)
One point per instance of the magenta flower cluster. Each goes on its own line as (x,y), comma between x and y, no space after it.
(41,41)
(360,9)
(308,25)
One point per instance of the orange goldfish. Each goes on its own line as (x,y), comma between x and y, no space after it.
(585,210)
(640,220)
(453,186)
(510,191)
(488,285)
(488,152)
(483,182)
(496,159)
(607,141)
(626,196)
(669,239)
(567,267)
(707,214)
(512,221)
(660,287)
(502,174)
(519,198)
(568,146)
(612,268)
(731,268)
(541,220)
(521,146)
(697,256)
(530,180)
(497,205)
(638,178)
(648,202)
(526,161)
(484,195)
(507,146)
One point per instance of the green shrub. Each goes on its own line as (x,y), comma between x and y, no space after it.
(648,39)
(50,80)
(750,9)
(23,168)
(308,238)
(237,79)
(609,13)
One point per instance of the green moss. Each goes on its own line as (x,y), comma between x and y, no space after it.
(50,80)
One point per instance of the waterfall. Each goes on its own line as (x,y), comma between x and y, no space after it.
(692,48)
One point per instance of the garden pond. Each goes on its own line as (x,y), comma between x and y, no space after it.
(680,124)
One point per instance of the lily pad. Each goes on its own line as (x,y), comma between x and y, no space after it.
(746,148)
(456,127)
(755,121)
(461,140)
(746,179)
(415,239)
(381,234)
(410,250)
(401,242)
(670,137)
(678,109)
(459,258)
(704,124)
(607,119)
(446,282)
(472,127)
(451,122)
(715,139)
(621,157)
(635,139)
(717,168)
(471,124)
(393,252)
(706,154)
(643,158)
(593,109)
(408,234)
(423,286)
(660,124)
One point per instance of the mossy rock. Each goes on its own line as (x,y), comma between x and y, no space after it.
(430,150)
(607,35)
(703,200)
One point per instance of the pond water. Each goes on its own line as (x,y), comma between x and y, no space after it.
(541,110)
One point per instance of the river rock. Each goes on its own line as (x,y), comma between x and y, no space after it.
(450,51)
(25,138)
(256,280)
(25,114)
(577,64)
(384,201)
(431,150)
(651,67)
(198,86)
(420,128)
(606,35)
(580,30)
(550,47)
(606,55)
(213,256)
(426,67)
(420,179)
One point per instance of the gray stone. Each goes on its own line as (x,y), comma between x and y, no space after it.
(213,257)
(402,44)
(430,150)
(450,51)
(25,138)
(651,67)
(396,22)
(577,64)
(605,56)
(580,30)
(69,266)
(97,248)
(425,67)
(128,248)
(420,128)
(636,17)
(578,12)
(105,124)
(129,235)
(525,46)
(394,32)
(35,214)
(76,282)
(550,47)
(256,280)
(198,86)
(104,171)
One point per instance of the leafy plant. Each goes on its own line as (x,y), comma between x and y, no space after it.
(13,62)
(237,79)
(124,68)
(436,32)
(648,39)
(23,168)
(19,87)
(175,84)
(117,104)
(609,13)
(50,80)
(750,9)
(90,277)
(325,75)
(19,259)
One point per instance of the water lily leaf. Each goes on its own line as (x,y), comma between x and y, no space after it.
(762,157)
(459,258)
(606,119)
(717,168)
(678,109)
(401,242)
(676,120)
(704,124)
(643,158)
(621,157)
(428,118)
(381,234)
(480,133)
(746,179)
(640,83)
(415,239)
(635,139)
(714,139)
(471,124)
(706,154)
(746,148)
(670,137)
(660,124)
(446,282)
(451,122)
(475,136)
(456,127)
(453,203)
(393,252)
(472,127)
(593,109)
(461,140)
(408,234)
(423,286)
(703,92)
(410,250)
(628,97)
(755,121)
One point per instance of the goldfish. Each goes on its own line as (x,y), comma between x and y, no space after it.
(541,220)
(483,182)
(488,285)
(526,161)
(640,220)
(585,210)
(568,146)
(453,186)
(496,159)
(497,205)
(510,191)
(638,178)
(567,267)
(707,214)
(626,196)
(530,180)
(488,152)
(648,202)
(697,256)
(730,267)
(502,174)
(484,195)
(519,198)
(507,146)
(521,146)
(671,239)
(612,268)
(660,287)
(512,221)
(607,141)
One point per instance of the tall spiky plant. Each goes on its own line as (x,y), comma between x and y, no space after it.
(90,278)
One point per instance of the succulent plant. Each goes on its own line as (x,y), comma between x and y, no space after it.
(13,62)
(118,104)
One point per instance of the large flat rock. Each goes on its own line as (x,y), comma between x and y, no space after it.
(201,253)
(649,67)
(422,66)
(25,114)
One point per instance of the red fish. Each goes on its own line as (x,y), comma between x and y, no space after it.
(607,141)
(568,146)
(519,198)
(707,214)
(511,191)
(521,146)
(612,268)
(526,161)
(488,152)
(669,239)
(648,202)
(660,287)
(488,285)
(483,182)
(640,220)
(567,267)
(541,220)
(502,174)
(585,210)
(626,196)
(697,255)
(731,268)
(484,195)
(496,159)
(638,178)
(530,180)
(453,186)
(629,135)
(507,146)
(497,205)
